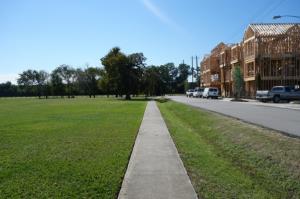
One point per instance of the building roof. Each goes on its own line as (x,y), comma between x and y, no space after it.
(271,29)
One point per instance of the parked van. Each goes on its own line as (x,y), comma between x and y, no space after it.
(198,92)
(211,92)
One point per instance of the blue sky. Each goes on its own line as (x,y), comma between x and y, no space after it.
(42,34)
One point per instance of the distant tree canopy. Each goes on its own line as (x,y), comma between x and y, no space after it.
(34,82)
(121,75)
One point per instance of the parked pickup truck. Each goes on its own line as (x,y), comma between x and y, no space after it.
(278,93)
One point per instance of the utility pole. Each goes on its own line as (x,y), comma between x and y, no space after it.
(192,69)
(197,67)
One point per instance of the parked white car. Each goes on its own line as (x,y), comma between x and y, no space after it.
(211,92)
(189,93)
(198,92)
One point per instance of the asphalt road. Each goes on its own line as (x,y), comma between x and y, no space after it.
(277,118)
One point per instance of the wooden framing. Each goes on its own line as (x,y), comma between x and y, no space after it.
(210,68)
(225,66)
(269,50)
(274,56)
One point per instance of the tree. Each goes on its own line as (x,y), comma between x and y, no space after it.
(104,83)
(183,73)
(238,82)
(58,88)
(27,81)
(123,72)
(153,81)
(7,89)
(168,73)
(92,75)
(112,63)
(34,82)
(41,79)
(135,69)
(81,82)
(67,75)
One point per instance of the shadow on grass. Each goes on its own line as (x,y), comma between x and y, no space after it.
(162,100)
(139,99)
(135,99)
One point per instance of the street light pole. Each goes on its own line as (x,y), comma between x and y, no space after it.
(280,16)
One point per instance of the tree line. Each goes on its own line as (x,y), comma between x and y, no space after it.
(121,75)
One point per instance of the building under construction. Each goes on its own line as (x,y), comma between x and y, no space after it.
(210,68)
(226,71)
(269,55)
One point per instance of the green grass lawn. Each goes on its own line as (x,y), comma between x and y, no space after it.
(66,148)
(226,158)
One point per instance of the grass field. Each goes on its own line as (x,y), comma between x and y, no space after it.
(226,158)
(66,148)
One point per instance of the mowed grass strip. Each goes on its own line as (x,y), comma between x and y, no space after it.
(66,148)
(227,158)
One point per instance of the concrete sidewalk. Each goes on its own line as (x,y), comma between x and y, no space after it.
(294,105)
(155,169)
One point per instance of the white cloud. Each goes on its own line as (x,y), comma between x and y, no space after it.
(160,14)
(8,77)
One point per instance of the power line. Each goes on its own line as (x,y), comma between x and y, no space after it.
(274,8)
(254,17)
(192,69)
